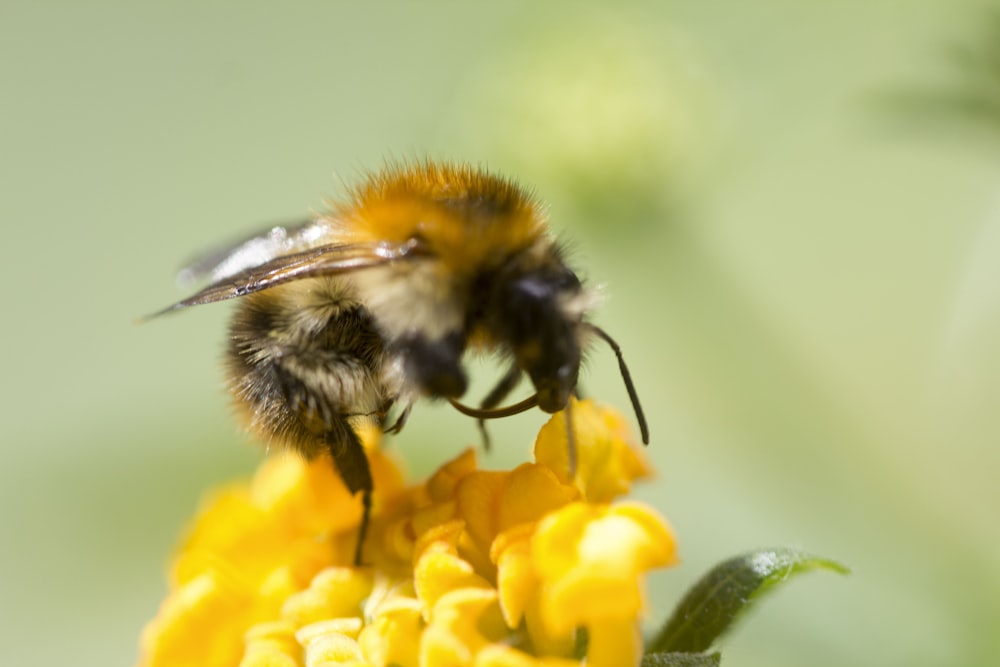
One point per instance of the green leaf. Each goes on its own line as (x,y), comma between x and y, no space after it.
(681,660)
(712,606)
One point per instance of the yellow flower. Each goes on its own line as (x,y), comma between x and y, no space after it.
(590,560)
(473,567)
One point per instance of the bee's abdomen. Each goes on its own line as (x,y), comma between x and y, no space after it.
(304,362)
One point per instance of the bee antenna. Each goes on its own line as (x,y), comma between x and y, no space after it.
(627,378)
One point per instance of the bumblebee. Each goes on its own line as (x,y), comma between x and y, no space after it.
(374,303)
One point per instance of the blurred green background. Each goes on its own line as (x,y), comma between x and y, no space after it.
(801,245)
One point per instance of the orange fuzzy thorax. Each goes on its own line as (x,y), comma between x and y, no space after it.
(466,216)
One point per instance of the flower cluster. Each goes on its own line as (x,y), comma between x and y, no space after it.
(531,566)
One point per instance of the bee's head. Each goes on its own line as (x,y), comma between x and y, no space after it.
(536,312)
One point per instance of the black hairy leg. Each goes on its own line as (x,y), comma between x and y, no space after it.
(404,415)
(351,463)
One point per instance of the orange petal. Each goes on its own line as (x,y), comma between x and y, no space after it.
(531,491)
(441,485)
(478,499)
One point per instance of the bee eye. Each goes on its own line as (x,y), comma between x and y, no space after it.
(538,291)
(567,281)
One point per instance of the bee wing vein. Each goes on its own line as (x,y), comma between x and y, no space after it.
(322,261)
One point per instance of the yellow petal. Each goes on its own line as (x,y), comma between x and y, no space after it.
(229,530)
(335,592)
(614,643)
(546,638)
(269,654)
(439,568)
(277,631)
(443,536)
(516,580)
(440,571)
(331,642)
(278,586)
(498,655)
(393,636)
(332,649)
(471,616)
(271,644)
(608,459)
(531,491)
(388,594)
(655,545)
(591,559)
(437,514)
(308,495)
(491,501)
(348,626)
(440,648)
(202,622)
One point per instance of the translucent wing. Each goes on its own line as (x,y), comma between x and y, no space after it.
(254,250)
(325,260)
